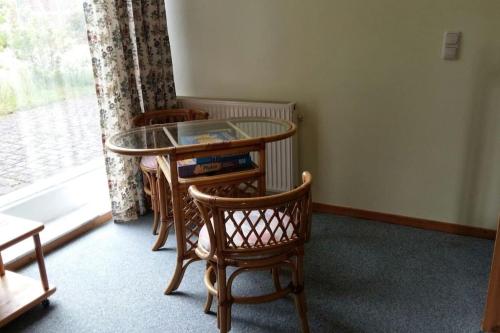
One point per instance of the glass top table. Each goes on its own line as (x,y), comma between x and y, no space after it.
(199,135)
(192,139)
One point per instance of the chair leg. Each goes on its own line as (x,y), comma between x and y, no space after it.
(224,318)
(300,304)
(229,306)
(210,297)
(276,278)
(155,203)
(224,306)
(299,296)
(156,218)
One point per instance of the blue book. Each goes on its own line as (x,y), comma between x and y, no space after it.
(190,167)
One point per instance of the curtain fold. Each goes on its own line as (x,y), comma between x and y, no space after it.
(132,68)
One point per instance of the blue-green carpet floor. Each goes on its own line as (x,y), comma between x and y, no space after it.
(361,276)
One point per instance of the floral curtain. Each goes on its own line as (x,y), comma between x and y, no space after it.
(132,67)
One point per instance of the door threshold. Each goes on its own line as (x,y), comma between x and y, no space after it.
(68,204)
(23,253)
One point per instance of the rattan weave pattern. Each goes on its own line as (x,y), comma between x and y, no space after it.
(259,228)
(193,221)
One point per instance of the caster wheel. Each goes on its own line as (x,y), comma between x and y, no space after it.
(45,303)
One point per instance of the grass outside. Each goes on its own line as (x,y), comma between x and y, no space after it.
(39,66)
(40,96)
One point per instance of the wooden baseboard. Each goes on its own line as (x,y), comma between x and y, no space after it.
(59,242)
(450,228)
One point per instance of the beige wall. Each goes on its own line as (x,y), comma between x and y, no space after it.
(388,126)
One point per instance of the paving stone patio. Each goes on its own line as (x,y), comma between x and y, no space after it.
(44,141)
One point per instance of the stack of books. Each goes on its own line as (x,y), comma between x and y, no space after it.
(205,165)
(195,167)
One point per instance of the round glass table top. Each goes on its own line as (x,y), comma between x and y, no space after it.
(199,135)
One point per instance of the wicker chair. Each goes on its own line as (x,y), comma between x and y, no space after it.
(148,165)
(257,233)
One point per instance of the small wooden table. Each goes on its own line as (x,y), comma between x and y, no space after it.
(172,143)
(19,293)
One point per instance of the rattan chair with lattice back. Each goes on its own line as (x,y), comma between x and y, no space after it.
(148,165)
(259,233)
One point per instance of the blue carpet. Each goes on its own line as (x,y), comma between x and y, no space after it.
(361,276)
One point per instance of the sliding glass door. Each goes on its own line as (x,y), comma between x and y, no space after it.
(51,163)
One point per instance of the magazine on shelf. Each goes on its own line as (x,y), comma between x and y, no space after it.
(202,165)
(211,136)
(187,134)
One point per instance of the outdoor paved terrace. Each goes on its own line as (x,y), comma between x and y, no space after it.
(44,141)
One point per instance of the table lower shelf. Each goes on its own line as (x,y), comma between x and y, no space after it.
(18,294)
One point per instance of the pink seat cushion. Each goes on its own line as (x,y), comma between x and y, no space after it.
(149,162)
(263,236)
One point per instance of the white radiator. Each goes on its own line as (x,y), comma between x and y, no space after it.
(281,156)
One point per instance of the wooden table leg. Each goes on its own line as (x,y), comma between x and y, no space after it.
(180,233)
(41,263)
(164,225)
(185,255)
(176,278)
(180,269)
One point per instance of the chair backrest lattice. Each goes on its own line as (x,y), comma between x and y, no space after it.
(193,221)
(258,224)
(168,116)
(263,227)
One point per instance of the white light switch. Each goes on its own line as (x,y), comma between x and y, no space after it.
(452,38)
(451,44)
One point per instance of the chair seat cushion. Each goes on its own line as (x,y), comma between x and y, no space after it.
(254,230)
(149,162)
